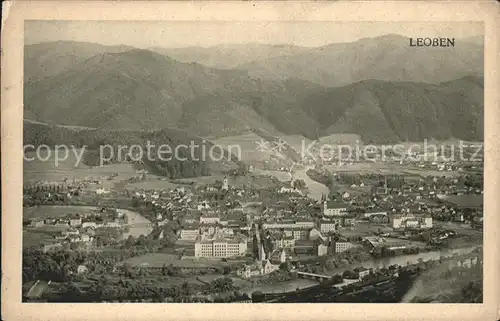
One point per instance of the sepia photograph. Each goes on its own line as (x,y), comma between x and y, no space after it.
(168,162)
(252,161)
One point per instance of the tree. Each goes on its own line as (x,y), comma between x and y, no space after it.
(285,266)
(299,184)
(130,241)
(226,270)
(337,278)
(186,289)
(329,264)
(348,274)
(73,292)
(127,269)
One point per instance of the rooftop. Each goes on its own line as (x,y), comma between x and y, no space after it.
(334,204)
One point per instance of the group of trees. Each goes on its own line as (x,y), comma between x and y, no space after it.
(278,276)
(219,285)
(181,165)
(47,194)
(153,242)
(330,261)
(105,289)
(324,177)
(55,266)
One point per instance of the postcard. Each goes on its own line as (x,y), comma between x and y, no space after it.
(160,155)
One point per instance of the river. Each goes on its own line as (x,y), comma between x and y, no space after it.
(44,211)
(136,218)
(374,264)
(316,190)
(402,259)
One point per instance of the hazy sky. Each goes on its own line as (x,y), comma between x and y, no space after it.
(205,33)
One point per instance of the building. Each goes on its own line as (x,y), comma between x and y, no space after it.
(340,247)
(349,221)
(190,233)
(220,247)
(336,220)
(62,223)
(268,267)
(89,225)
(288,225)
(81,269)
(300,234)
(379,219)
(249,271)
(333,208)
(101,191)
(52,247)
(225,184)
(326,227)
(70,232)
(209,228)
(209,219)
(305,224)
(278,257)
(314,234)
(284,242)
(86,238)
(37,223)
(305,248)
(321,246)
(363,273)
(49,221)
(75,221)
(410,221)
(369,214)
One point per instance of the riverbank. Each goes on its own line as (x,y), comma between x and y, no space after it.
(402,260)
(316,189)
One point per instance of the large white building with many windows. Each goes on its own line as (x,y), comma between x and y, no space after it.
(340,247)
(327,226)
(411,221)
(220,247)
(334,209)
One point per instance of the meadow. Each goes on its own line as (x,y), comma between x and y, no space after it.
(52,169)
(54,211)
(159,259)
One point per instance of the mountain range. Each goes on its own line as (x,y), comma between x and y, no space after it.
(379,88)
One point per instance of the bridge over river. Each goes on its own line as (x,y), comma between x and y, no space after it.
(313,275)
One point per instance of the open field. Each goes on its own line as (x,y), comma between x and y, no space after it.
(54,211)
(159,259)
(247,144)
(39,170)
(280,175)
(36,237)
(296,141)
(352,190)
(384,168)
(152,183)
(256,181)
(473,201)
(341,139)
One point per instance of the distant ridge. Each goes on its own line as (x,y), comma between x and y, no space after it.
(124,87)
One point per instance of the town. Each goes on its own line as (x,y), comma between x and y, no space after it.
(225,241)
